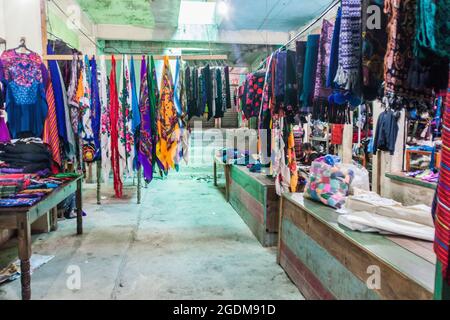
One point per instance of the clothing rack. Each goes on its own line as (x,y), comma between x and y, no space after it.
(332,5)
(67,57)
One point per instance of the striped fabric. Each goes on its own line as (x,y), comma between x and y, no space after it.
(51,126)
(442,214)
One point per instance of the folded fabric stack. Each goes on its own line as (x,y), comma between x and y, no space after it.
(369,212)
(25,156)
(425,175)
(23,190)
(328,183)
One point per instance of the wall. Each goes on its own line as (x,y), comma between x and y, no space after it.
(21,18)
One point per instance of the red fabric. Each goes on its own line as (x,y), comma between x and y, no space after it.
(337,133)
(442,214)
(114,116)
(51,127)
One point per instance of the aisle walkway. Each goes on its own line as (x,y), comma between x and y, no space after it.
(183,242)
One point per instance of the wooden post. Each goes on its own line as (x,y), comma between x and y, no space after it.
(99,177)
(280,229)
(24,236)
(79,202)
(44,29)
(215,172)
(139,179)
(54,219)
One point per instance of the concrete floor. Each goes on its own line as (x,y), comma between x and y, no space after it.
(183,242)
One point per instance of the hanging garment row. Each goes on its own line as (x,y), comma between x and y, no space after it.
(123,121)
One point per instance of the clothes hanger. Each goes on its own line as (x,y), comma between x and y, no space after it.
(22,45)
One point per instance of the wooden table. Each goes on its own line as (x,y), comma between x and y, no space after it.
(226,169)
(329,261)
(253,196)
(21,218)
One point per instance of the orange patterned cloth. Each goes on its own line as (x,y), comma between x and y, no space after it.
(167,121)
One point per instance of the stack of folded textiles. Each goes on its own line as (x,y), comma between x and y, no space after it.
(25,156)
(23,190)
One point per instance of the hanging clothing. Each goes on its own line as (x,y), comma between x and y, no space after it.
(441,208)
(167,121)
(432,26)
(334,50)
(25,78)
(219,112)
(265,119)
(154,110)
(227,87)
(126,136)
(50,135)
(95,109)
(280,170)
(280,82)
(145,137)
(105,132)
(58,93)
(399,53)
(373,53)
(87,133)
(136,115)
(73,95)
(321,91)
(114,116)
(291,106)
(253,94)
(348,75)
(386,132)
(309,74)
(300,52)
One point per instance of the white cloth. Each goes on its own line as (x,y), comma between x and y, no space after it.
(372,222)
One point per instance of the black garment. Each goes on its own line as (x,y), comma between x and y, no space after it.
(31,156)
(300,62)
(386,132)
(227,87)
(219,112)
(207,83)
(308,159)
(291,102)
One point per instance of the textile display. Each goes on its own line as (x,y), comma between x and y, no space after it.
(327,183)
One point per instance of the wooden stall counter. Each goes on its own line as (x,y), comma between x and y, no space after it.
(21,218)
(329,261)
(254,198)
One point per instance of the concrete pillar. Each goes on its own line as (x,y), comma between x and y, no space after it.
(345,150)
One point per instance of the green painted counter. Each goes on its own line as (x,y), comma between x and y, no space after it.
(254,198)
(329,261)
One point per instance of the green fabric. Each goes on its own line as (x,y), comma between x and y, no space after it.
(153,92)
(433,26)
(67,175)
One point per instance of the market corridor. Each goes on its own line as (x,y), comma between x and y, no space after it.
(183,242)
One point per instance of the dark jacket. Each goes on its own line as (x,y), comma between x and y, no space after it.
(386,132)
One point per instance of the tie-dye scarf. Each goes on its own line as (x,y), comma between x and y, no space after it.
(167,121)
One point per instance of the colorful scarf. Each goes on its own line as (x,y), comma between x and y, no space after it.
(126,135)
(105,122)
(265,118)
(87,134)
(348,75)
(145,137)
(136,116)
(50,135)
(309,74)
(114,110)
(154,109)
(399,54)
(321,92)
(95,109)
(442,212)
(167,121)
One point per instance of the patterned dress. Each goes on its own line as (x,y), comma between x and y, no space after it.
(105,130)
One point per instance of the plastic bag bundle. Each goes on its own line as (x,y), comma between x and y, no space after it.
(328,183)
